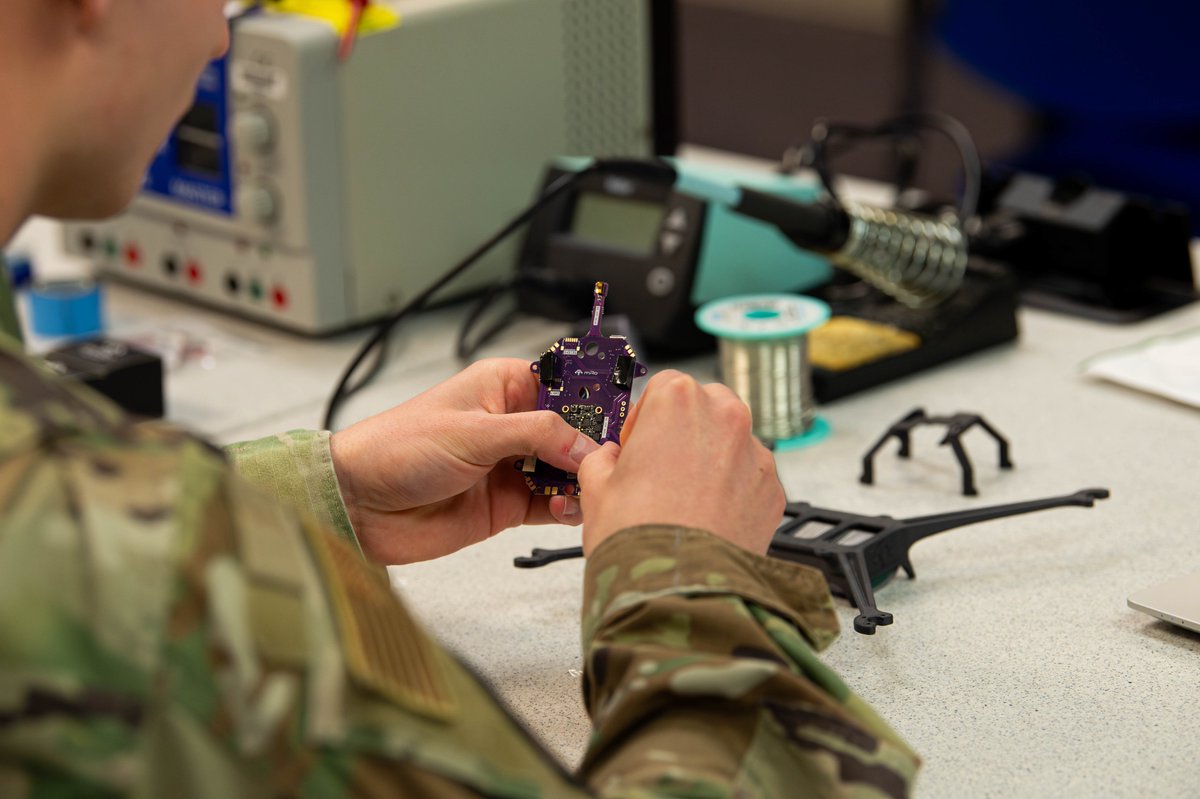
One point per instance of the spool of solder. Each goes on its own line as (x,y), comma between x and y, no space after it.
(763,356)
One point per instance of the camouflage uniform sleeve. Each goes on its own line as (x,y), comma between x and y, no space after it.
(702,679)
(297,469)
(168,629)
(10,324)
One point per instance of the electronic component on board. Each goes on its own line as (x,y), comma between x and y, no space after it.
(587,380)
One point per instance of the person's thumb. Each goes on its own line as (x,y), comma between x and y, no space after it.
(566,510)
(598,468)
(541,433)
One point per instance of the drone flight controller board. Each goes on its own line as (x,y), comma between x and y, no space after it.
(587,380)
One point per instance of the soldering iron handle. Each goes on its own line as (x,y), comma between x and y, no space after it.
(653,170)
(822,226)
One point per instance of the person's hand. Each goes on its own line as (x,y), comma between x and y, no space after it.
(435,474)
(686,458)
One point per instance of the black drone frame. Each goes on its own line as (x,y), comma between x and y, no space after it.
(956,425)
(859,553)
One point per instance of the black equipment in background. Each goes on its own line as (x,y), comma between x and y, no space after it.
(129,376)
(649,283)
(916,300)
(1081,249)
(671,238)
(872,339)
(650,280)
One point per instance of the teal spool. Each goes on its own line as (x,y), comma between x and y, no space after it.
(762,348)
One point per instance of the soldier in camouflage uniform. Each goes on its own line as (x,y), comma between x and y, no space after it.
(177,621)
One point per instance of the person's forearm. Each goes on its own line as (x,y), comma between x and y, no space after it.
(701,676)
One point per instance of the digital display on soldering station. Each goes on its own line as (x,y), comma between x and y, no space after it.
(616,221)
(198,141)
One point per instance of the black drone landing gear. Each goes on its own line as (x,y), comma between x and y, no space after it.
(878,545)
(956,425)
(881,545)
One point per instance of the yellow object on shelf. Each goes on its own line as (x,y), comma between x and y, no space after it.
(376,16)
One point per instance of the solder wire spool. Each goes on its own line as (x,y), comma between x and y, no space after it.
(762,347)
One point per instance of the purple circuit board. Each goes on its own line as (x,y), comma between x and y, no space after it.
(586,380)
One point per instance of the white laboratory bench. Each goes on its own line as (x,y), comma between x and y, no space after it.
(1013,667)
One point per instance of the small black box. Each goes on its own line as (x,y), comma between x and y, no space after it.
(130,377)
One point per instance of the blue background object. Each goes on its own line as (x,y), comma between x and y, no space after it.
(166,176)
(20,270)
(1114,84)
(66,309)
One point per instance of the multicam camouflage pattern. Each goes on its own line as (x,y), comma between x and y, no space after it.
(10,325)
(297,468)
(168,629)
(702,678)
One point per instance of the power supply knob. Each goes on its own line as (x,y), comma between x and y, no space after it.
(257,203)
(254,131)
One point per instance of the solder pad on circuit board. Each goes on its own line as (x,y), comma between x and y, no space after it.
(587,380)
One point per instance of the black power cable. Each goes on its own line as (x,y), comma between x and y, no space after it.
(378,339)
(648,169)
(539,281)
(827,137)
(465,347)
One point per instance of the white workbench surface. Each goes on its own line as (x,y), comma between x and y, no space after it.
(1013,667)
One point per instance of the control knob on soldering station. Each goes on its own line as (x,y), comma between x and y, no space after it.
(257,202)
(254,131)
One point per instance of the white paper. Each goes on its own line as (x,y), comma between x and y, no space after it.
(1168,366)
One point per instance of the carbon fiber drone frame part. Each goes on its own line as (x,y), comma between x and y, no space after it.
(877,548)
(859,553)
(956,425)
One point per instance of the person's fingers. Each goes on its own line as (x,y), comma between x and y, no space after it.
(565,510)
(497,385)
(594,476)
(630,421)
(520,384)
(494,437)
(597,468)
(511,504)
(654,385)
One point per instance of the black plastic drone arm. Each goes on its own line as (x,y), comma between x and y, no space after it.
(858,552)
(862,593)
(919,527)
(542,557)
(880,546)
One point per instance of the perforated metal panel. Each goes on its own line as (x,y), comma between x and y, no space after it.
(607,55)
